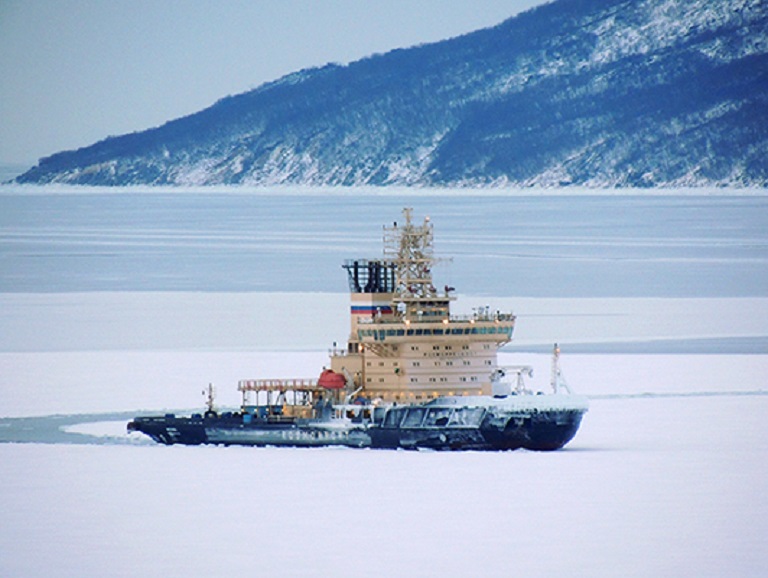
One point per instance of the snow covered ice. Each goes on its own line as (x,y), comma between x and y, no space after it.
(653,487)
(664,478)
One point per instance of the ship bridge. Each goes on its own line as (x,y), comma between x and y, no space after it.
(496,328)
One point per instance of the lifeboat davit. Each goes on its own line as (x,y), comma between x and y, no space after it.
(331,380)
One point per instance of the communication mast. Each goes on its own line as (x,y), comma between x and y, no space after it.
(409,248)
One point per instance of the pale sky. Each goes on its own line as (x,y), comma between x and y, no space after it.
(75,71)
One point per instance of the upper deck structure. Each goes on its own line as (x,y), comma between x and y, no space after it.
(404,344)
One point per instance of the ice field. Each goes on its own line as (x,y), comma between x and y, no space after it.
(650,487)
(118,303)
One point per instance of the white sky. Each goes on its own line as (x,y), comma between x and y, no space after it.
(75,71)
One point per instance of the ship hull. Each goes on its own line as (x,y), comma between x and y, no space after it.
(428,426)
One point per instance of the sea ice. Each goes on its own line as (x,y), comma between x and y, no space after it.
(649,487)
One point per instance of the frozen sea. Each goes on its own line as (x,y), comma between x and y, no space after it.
(116,301)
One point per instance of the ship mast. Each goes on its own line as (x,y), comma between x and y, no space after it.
(210,395)
(557,381)
(409,247)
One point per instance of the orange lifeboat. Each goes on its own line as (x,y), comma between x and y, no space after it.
(331,380)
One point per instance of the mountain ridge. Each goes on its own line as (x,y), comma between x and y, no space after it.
(597,93)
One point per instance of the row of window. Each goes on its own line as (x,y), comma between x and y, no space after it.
(448,354)
(437,347)
(412,396)
(449,363)
(382,334)
(431,379)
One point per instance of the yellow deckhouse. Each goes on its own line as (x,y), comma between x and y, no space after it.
(404,344)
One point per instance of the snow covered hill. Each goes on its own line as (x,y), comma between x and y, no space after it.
(602,93)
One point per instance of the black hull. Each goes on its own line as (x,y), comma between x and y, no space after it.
(545,431)
(498,431)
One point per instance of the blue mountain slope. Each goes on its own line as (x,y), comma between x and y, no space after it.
(583,92)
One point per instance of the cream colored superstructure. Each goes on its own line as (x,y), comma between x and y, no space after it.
(404,344)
